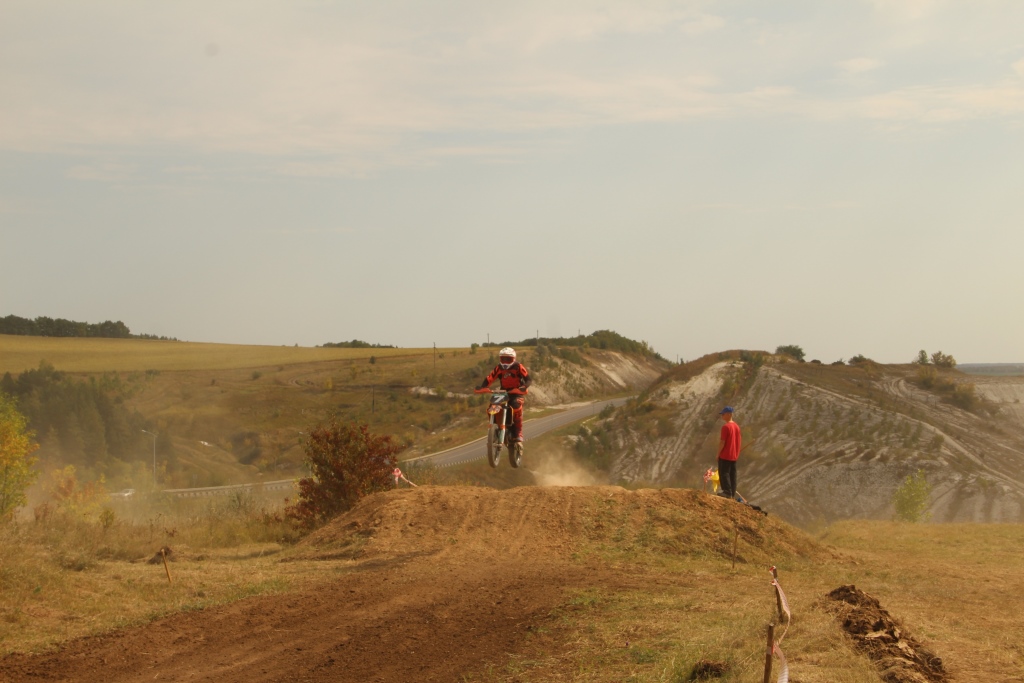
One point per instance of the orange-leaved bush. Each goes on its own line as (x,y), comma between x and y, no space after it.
(347,462)
(16,447)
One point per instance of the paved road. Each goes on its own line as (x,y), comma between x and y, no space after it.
(477,450)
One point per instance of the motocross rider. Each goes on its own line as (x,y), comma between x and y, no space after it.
(516,380)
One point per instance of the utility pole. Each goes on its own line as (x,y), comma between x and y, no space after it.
(488,338)
(435,356)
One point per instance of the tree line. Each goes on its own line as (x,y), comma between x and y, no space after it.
(82,422)
(59,327)
(355,344)
(600,339)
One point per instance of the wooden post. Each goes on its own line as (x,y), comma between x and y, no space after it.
(778,595)
(166,568)
(735,542)
(768,654)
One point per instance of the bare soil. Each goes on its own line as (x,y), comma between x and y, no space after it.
(429,584)
(899,656)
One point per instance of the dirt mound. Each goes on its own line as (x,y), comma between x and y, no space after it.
(899,657)
(447,521)
(431,584)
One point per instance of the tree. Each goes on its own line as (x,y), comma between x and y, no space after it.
(911,498)
(922,358)
(16,447)
(347,462)
(791,350)
(943,360)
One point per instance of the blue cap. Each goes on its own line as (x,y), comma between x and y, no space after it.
(727,409)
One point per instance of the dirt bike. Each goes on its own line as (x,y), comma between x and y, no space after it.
(499,429)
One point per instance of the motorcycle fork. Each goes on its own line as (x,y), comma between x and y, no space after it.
(502,425)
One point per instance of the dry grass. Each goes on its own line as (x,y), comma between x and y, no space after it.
(956,588)
(68,576)
(18,353)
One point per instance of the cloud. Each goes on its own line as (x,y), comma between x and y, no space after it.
(945,104)
(320,89)
(859,65)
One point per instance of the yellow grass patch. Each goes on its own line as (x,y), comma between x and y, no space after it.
(20,353)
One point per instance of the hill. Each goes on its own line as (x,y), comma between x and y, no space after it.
(231,414)
(825,442)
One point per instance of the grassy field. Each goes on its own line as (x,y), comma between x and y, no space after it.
(86,355)
(234,414)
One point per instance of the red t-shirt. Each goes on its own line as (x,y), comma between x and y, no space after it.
(731,442)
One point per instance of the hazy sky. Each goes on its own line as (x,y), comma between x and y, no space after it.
(846,176)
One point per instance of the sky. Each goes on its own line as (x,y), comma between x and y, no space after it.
(844,176)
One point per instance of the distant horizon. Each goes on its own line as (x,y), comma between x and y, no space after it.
(482,344)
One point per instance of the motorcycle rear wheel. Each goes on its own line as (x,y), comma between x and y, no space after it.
(515,454)
(493,447)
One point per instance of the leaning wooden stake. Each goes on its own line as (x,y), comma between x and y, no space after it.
(778,595)
(768,654)
(167,569)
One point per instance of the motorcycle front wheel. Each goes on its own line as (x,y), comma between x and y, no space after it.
(493,447)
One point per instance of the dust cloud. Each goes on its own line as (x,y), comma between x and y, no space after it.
(557,467)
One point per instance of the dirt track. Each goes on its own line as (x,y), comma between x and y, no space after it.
(383,625)
(420,585)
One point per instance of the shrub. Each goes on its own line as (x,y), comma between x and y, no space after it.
(347,462)
(791,350)
(73,496)
(964,397)
(943,360)
(911,498)
(16,447)
(926,377)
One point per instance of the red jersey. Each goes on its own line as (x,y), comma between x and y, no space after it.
(515,377)
(731,441)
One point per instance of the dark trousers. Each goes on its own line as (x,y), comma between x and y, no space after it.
(727,476)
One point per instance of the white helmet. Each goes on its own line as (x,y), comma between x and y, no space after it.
(506,357)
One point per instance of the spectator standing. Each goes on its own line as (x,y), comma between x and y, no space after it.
(728,453)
